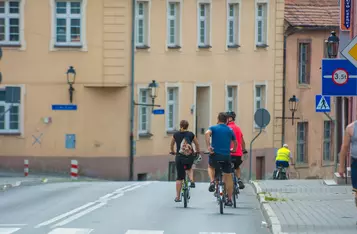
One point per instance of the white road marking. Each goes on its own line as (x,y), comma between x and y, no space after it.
(70,231)
(144,232)
(78,215)
(12,225)
(64,215)
(8,230)
(91,206)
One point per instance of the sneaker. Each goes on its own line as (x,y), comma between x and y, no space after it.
(229,203)
(177,199)
(211,187)
(241,185)
(193,185)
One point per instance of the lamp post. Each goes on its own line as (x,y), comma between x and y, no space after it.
(293,106)
(71,79)
(153,89)
(332,44)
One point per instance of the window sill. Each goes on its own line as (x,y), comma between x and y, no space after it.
(68,46)
(304,86)
(326,163)
(301,165)
(145,135)
(233,46)
(10,133)
(205,47)
(143,47)
(261,46)
(6,45)
(175,47)
(171,132)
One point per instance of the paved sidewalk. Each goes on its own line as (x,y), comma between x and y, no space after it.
(13,179)
(307,206)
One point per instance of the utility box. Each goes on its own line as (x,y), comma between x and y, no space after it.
(70,141)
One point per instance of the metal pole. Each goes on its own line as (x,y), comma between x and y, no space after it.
(132,104)
(250,154)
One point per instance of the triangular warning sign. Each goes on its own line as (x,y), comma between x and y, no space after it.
(323,105)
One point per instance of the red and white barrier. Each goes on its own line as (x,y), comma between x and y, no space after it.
(26,167)
(74,169)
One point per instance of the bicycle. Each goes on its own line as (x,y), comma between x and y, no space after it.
(235,186)
(221,188)
(280,174)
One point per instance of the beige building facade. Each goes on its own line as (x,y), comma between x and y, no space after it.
(207,56)
(310,139)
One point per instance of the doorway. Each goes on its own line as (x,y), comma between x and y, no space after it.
(203,113)
(260,167)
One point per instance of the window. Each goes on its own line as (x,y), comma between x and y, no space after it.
(204,33)
(68,23)
(9,115)
(261,24)
(144,112)
(172,109)
(232,24)
(173,24)
(10,22)
(327,148)
(304,62)
(260,97)
(231,98)
(142,24)
(302,139)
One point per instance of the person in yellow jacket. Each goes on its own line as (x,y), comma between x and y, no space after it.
(283,157)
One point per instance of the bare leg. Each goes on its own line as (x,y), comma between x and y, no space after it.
(178,188)
(190,174)
(211,173)
(227,178)
(238,172)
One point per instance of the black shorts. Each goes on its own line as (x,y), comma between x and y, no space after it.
(225,161)
(237,161)
(183,163)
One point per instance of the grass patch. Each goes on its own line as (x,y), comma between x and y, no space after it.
(274,199)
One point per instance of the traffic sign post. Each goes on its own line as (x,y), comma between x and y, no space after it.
(322,103)
(350,51)
(338,78)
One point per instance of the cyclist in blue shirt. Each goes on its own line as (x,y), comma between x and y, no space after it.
(220,150)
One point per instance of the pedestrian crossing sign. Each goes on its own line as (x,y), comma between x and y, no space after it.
(323,103)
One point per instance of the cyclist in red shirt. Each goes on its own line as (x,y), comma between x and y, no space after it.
(236,156)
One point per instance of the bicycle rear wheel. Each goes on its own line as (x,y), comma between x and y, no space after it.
(185,197)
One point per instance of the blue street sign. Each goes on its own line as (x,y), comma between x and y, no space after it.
(338,78)
(322,103)
(68,107)
(158,111)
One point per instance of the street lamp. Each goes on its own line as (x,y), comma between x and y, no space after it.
(71,79)
(293,106)
(153,87)
(332,44)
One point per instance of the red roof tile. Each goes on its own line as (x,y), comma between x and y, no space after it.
(312,13)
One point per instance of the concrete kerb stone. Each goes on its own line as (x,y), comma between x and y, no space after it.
(268,212)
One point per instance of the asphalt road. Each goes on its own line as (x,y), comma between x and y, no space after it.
(123,208)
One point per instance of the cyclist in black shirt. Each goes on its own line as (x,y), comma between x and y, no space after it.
(185,155)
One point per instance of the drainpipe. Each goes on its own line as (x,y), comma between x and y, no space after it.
(284,90)
(132,83)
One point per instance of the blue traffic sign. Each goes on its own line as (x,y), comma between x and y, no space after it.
(158,111)
(322,103)
(338,78)
(68,107)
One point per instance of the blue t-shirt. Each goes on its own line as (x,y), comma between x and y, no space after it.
(222,135)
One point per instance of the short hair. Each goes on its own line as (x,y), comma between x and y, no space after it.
(184,124)
(222,117)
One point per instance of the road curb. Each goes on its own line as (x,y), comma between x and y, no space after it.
(268,212)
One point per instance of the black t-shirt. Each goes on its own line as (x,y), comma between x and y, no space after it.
(179,136)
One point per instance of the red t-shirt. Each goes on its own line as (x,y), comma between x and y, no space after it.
(239,136)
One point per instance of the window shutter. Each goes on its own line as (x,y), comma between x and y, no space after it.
(308,62)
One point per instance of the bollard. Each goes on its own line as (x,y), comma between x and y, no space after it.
(26,167)
(74,169)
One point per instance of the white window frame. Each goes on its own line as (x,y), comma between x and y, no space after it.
(234,99)
(265,19)
(304,142)
(146,18)
(178,23)
(7,129)
(82,44)
(237,19)
(208,35)
(20,16)
(175,103)
(255,98)
(147,109)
